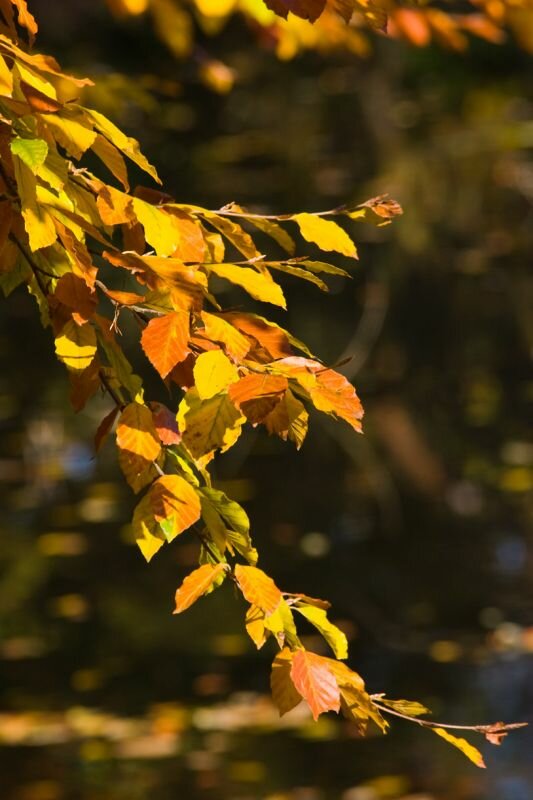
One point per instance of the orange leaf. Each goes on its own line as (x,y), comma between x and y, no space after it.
(267,334)
(195,585)
(284,693)
(74,293)
(138,444)
(255,386)
(315,682)
(164,340)
(172,498)
(258,588)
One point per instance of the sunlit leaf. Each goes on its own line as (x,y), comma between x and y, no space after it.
(76,345)
(258,588)
(333,635)
(465,747)
(326,234)
(165,341)
(315,682)
(196,584)
(213,372)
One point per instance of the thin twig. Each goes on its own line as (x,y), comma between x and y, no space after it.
(425,723)
(33,266)
(109,389)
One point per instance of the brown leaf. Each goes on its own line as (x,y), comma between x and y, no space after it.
(165,424)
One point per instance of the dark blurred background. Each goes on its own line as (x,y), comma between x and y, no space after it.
(419,532)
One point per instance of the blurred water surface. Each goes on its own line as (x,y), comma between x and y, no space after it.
(419,532)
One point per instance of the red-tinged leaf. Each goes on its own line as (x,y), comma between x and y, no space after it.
(165,424)
(316,683)
(329,391)
(258,588)
(306,9)
(183,373)
(105,428)
(284,693)
(165,339)
(471,752)
(175,501)
(138,444)
(195,585)
(74,293)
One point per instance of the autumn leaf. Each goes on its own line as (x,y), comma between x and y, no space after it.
(307,9)
(208,425)
(288,420)
(175,504)
(465,747)
(255,626)
(76,345)
(165,341)
(284,693)
(315,682)
(165,424)
(105,427)
(32,152)
(325,233)
(138,444)
(258,588)
(333,635)
(196,584)
(213,372)
(217,329)
(259,285)
(410,707)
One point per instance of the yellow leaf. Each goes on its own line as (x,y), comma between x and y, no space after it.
(196,584)
(255,626)
(112,158)
(259,285)
(37,221)
(138,444)
(213,372)
(6,79)
(258,588)
(284,693)
(160,228)
(76,345)
(127,145)
(325,233)
(217,329)
(146,530)
(71,131)
(333,635)
(174,25)
(208,425)
(465,747)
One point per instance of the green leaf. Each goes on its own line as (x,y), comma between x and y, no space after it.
(333,635)
(32,151)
